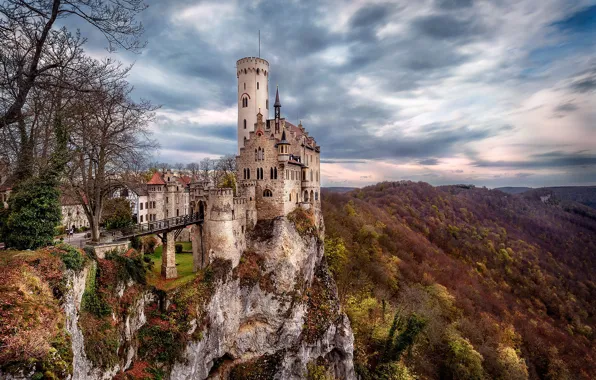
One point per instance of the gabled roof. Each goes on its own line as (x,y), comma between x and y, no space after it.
(156,179)
(185,180)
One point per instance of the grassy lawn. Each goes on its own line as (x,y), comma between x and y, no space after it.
(183,265)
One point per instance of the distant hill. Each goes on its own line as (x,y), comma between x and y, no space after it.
(585,195)
(339,189)
(513,190)
(478,284)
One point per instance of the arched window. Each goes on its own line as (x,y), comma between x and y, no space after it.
(256,155)
(244,123)
(316,195)
(248,173)
(271,173)
(275,173)
(267,193)
(305,196)
(244,102)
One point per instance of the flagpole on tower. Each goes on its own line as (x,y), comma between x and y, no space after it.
(259,43)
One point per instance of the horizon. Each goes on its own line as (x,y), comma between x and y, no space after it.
(441,91)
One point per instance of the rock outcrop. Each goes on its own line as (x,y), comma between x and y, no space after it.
(275,315)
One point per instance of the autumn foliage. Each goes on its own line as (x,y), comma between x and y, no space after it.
(503,283)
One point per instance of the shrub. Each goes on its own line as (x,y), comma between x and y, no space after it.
(149,244)
(130,266)
(136,242)
(117,213)
(34,212)
(59,230)
(304,221)
(71,256)
(179,248)
(463,361)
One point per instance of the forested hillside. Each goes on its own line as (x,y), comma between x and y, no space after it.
(464,283)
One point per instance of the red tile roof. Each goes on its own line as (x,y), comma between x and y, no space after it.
(156,179)
(185,179)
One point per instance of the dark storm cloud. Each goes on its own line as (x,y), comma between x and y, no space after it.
(429,161)
(446,26)
(567,107)
(547,160)
(443,141)
(584,82)
(454,4)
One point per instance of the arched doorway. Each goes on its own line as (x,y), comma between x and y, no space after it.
(201,210)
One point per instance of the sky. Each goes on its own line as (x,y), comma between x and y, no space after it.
(492,93)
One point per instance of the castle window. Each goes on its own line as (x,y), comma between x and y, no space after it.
(271,173)
(258,71)
(267,103)
(248,173)
(316,195)
(257,82)
(275,173)
(244,102)
(245,125)
(245,85)
(256,156)
(141,205)
(177,212)
(167,199)
(267,193)
(141,218)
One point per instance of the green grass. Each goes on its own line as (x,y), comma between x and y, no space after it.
(184,264)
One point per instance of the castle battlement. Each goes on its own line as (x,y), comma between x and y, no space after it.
(239,201)
(223,193)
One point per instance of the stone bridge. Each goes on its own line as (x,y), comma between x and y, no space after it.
(167,230)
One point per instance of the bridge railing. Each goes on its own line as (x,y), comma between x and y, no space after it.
(157,225)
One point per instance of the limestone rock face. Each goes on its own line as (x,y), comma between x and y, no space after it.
(247,322)
(276,312)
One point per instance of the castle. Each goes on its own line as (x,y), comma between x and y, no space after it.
(277,170)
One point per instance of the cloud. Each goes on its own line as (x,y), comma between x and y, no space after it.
(544,160)
(429,161)
(446,91)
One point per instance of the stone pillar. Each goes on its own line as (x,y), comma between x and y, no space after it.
(168,257)
(199,261)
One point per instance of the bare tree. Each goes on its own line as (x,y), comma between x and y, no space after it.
(206,168)
(194,169)
(111,136)
(179,166)
(31,46)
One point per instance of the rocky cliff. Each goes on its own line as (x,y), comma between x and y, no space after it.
(275,315)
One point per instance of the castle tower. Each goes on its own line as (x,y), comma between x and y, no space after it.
(253,94)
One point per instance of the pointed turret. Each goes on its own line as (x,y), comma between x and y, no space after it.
(277,107)
(283,150)
(277,102)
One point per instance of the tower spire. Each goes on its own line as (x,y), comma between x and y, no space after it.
(277,107)
(277,102)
